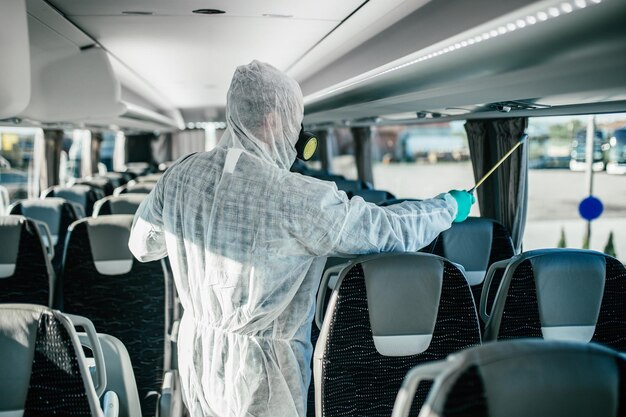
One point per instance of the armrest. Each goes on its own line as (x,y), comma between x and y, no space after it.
(174,345)
(482,311)
(170,400)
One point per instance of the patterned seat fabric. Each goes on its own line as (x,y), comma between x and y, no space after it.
(129,304)
(46,375)
(456,244)
(356,379)
(57,213)
(26,274)
(581,298)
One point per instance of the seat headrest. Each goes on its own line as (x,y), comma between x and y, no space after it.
(42,366)
(10,234)
(403,293)
(469,244)
(48,210)
(108,239)
(570,288)
(18,332)
(373,196)
(143,187)
(120,204)
(542,379)
(77,193)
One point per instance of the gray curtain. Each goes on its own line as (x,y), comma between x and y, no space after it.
(363,153)
(504,195)
(188,141)
(162,148)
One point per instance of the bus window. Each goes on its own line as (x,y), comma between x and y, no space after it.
(343,161)
(617,152)
(421,161)
(17,161)
(557,184)
(107,149)
(76,146)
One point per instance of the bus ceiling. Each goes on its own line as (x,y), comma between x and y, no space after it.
(551,58)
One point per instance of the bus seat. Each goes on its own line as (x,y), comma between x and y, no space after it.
(559,294)
(117,179)
(393,201)
(328,177)
(85,196)
(521,378)
(352,186)
(44,371)
(476,244)
(122,296)
(5,200)
(26,274)
(387,314)
(135,188)
(372,196)
(119,373)
(149,177)
(127,203)
(106,185)
(57,213)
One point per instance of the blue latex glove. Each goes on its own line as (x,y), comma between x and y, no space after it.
(464,200)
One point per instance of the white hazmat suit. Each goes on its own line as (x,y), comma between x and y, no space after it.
(247,241)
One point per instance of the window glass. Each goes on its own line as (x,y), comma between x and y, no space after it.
(343,160)
(421,161)
(558,183)
(16,161)
(75,145)
(107,149)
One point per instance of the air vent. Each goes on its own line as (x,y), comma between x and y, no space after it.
(209,11)
(136,13)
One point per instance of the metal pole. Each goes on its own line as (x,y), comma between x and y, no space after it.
(589,148)
(589,145)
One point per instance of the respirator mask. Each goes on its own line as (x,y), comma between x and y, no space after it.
(306,144)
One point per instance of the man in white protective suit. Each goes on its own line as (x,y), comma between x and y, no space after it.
(247,241)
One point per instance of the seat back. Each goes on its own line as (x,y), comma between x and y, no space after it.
(118,204)
(373,196)
(135,187)
(387,314)
(149,177)
(5,201)
(394,201)
(85,196)
(58,214)
(519,379)
(476,244)
(119,373)
(43,367)
(122,296)
(26,274)
(117,179)
(106,185)
(351,186)
(560,294)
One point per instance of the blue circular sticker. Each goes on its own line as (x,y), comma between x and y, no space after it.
(590,208)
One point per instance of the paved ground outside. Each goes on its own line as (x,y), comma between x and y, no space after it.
(553,196)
